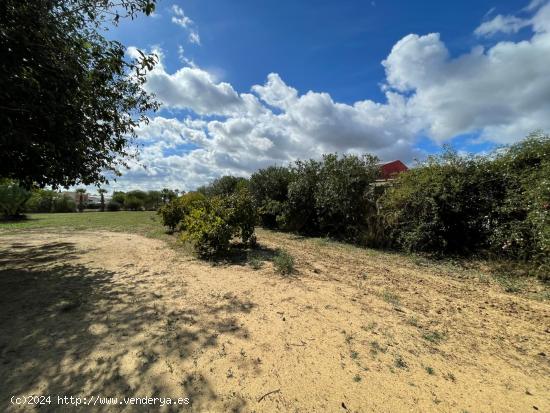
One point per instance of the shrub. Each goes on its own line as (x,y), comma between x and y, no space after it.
(63,204)
(226,185)
(173,213)
(520,225)
(300,213)
(341,194)
(211,224)
(133,202)
(12,198)
(240,213)
(442,206)
(118,197)
(41,201)
(153,200)
(113,206)
(209,233)
(269,189)
(330,197)
(283,262)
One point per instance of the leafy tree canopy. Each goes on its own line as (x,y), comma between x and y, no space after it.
(69,98)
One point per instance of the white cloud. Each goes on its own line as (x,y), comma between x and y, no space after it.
(501,93)
(184,21)
(501,24)
(194,38)
(180,18)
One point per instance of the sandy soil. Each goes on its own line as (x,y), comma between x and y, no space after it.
(110,314)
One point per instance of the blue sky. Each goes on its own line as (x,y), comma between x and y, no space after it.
(245,84)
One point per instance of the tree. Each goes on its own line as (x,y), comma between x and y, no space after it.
(269,188)
(101,192)
(69,98)
(81,192)
(226,185)
(118,197)
(12,198)
(167,195)
(154,200)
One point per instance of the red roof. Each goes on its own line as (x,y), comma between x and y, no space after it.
(390,169)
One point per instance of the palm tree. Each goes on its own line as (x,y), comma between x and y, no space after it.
(81,191)
(101,192)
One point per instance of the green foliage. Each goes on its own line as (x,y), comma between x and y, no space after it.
(118,197)
(63,204)
(70,98)
(153,201)
(102,193)
(172,214)
(135,200)
(43,200)
(331,197)
(269,188)
(520,227)
(301,214)
(81,205)
(12,198)
(226,185)
(168,195)
(240,213)
(442,206)
(211,224)
(341,194)
(133,203)
(207,230)
(455,204)
(283,262)
(113,206)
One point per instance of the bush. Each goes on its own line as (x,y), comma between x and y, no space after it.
(331,197)
(443,206)
(118,197)
(63,204)
(226,185)
(173,213)
(283,262)
(240,213)
(211,225)
(41,200)
(300,213)
(12,198)
(209,233)
(269,189)
(520,225)
(133,202)
(341,194)
(113,206)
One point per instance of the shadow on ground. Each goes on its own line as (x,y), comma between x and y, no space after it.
(67,328)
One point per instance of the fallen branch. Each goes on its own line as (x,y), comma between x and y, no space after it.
(267,394)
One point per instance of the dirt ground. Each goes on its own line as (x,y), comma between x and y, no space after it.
(114,315)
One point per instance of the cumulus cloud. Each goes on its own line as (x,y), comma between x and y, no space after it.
(500,93)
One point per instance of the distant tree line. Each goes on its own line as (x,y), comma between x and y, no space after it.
(496,205)
(16,200)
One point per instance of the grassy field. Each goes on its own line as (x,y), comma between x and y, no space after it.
(137,222)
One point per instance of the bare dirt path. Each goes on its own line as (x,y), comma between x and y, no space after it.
(111,314)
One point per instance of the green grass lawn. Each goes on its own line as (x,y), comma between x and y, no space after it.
(141,222)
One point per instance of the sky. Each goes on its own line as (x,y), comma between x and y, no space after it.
(247,84)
